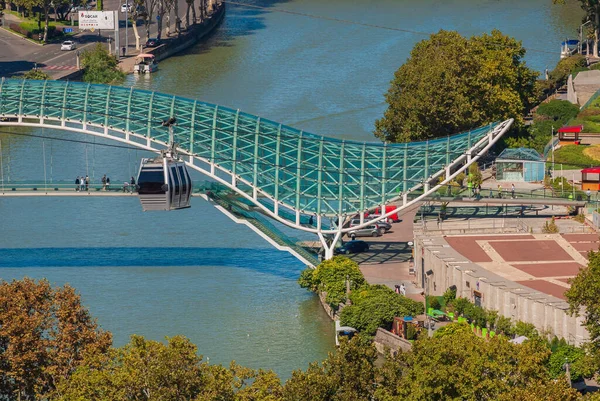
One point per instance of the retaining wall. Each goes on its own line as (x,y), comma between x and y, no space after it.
(547,313)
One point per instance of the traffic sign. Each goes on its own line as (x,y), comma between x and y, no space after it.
(68,30)
(158,17)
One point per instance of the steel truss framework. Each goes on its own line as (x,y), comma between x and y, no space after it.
(289,174)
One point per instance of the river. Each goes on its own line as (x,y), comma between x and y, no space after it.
(194,272)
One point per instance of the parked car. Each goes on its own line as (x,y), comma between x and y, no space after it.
(368,231)
(152,42)
(353,247)
(68,45)
(126,8)
(383,226)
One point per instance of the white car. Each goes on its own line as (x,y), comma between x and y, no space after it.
(126,8)
(67,45)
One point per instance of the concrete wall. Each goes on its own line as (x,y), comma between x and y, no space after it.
(385,339)
(547,313)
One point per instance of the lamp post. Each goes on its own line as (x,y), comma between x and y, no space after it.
(428,274)
(581,36)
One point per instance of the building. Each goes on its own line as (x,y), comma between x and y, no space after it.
(520,164)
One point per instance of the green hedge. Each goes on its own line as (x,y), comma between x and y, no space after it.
(376,306)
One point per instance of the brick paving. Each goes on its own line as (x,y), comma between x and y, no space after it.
(546,287)
(530,251)
(549,269)
(467,245)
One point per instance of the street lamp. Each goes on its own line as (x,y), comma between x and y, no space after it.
(581,37)
(428,274)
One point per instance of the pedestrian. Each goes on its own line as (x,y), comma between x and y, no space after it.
(512,191)
(397,289)
(82,183)
(132,184)
(589,195)
(439,219)
(499,191)
(310,221)
(107,183)
(491,193)
(77,184)
(87,182)
(104,182)
(402,289)
(470,187)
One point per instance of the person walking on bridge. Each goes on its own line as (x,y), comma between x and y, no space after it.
(512,191)
(87,183)
(104,182)
(77,184)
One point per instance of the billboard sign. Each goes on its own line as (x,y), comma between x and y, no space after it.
(96,20)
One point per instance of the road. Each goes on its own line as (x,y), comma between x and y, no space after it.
(18,55)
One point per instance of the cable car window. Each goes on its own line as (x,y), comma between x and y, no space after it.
(184,181)
(151,182)
(175,180)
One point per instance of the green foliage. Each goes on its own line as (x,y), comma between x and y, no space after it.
(307,279)
(452,84)
(457,365)
(348,374)
(579,363)
(375,306)
(526,329)
(449,295)
(550,227)
(433,302)
(460,179)
(580,218)
(475,177)
(36,73)
(504,326)
(573,155)
(560,111)
(583,298)
(566,67)
(99,66)
(330,276)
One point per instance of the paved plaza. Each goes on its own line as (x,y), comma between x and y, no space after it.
(542,262)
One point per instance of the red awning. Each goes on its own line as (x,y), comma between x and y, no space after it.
(591,170)
(573,129)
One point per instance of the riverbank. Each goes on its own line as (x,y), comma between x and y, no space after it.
(185,40)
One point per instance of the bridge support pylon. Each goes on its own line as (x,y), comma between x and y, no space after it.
(329,243)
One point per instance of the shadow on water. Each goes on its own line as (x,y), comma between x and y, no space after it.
(258,260)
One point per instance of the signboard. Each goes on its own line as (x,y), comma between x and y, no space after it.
(68,30)
(96,20)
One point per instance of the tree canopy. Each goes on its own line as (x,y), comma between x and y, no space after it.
(452,84)
(99,66)
(45,333)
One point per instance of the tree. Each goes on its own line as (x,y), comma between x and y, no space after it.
(36,73)
(163,7)
(149,6)
(592,11)
(347,374)
(45,333)
(452,84)
(137,11)
(376,306)
(461,366)
(583,298)
(330,276)
(99,66)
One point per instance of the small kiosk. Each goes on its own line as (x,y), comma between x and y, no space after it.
(570,134)
(521,164)
(590,179)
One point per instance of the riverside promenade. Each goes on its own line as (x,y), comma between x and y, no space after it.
(19,55)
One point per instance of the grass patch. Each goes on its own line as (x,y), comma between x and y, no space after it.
(592,152)
(574,155)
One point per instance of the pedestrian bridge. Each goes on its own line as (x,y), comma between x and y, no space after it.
(290,175)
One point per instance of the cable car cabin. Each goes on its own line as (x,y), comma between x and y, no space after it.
(164,184)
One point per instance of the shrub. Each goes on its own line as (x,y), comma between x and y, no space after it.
(558,110)
(433,302)
(565,67)
(526,329)
(475,177)
(376,306)
(579,366)
(449,296)
(550,227)
(330,276)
